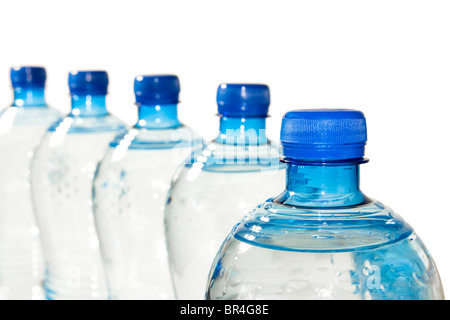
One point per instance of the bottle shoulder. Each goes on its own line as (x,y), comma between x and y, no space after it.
(144,139)
(285,227)
(228,158)
(140,149)
(71,124)
(28,116)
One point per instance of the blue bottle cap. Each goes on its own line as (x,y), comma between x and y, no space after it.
(243,100)
(323,135)
(88,82)
(157,89)
(28,76)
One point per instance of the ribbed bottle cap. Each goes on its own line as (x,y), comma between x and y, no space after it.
(88,82)
(157,89)
(28,76)
(323,134)
(243,100)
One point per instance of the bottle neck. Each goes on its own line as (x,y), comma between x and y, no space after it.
(89,105)
(29,97)
(158,116)
(242,131)
(322,186)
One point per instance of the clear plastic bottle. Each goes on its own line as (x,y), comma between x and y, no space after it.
(130,190)
(61,179)
(219,184)
(21,128)
(322,238)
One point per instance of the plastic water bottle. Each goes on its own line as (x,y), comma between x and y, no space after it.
(21,127)
(322,238)
(130,190)
(62,173)
(221,183)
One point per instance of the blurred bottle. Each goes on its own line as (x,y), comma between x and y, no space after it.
(21,127)
(219,185)
(322,238)
(130,189)
(61,177)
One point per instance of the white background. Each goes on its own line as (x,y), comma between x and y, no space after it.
(390,59)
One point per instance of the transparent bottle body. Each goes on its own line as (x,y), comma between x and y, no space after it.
(207,197)
(21,259)
(130,191)
(62,173)
(357,252)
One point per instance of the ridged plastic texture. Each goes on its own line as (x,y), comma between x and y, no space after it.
(88,82)
(323,134)
(243,100)
(156,89)
(28,76)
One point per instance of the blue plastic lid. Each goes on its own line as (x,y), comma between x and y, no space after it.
(243,100)
(157,89)
(323,134)
(88,82)
(28,76)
